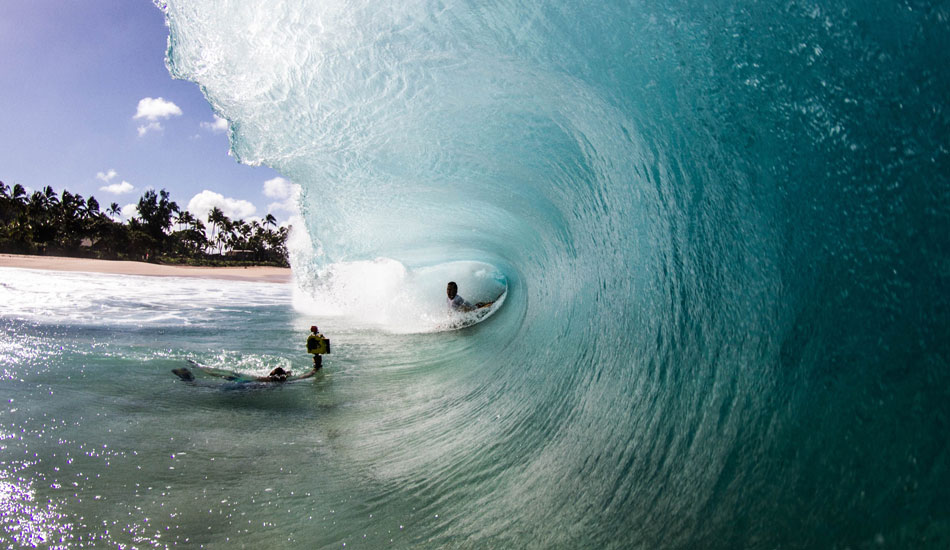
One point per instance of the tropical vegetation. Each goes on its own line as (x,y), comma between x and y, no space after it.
(67,224)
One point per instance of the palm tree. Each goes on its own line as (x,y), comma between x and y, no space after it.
(224,236)
(270,220)
(51,199)
(196,236)
(244,230)
(42,211)
(92,206)
(18,193)
(6,206)
(156,211)
(215,218)
(8,211)
(70,215)
(184,218)
(14,201)
(114,210)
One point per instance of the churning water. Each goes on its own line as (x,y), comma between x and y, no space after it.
(722,234)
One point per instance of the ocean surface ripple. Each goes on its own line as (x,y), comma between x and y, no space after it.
(722,230)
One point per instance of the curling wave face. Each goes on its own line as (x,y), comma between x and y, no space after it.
(721,232)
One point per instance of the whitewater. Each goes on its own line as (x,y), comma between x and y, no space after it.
(720,236)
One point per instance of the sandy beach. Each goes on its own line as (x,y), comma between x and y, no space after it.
(55,263)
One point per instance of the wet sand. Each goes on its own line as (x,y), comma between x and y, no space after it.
(56,263)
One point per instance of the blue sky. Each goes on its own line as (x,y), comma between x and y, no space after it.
(72,76)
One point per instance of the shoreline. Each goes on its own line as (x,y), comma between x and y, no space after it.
(262,274)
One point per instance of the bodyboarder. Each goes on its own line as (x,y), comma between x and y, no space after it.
(457,303)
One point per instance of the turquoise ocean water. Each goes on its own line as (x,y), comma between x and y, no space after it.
(721,231)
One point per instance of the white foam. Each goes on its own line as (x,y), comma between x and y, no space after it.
(386,294)
(100,298)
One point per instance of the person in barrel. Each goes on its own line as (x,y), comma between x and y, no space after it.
(455,301)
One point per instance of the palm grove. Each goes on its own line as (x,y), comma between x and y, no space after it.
(68,224)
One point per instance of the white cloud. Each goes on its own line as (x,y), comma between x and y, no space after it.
(278,188)
(129,211)
(153,109)
(287,192)
(286,206)
(218,126)
(149,127)
(106,176)
(203,202)
(118,188)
